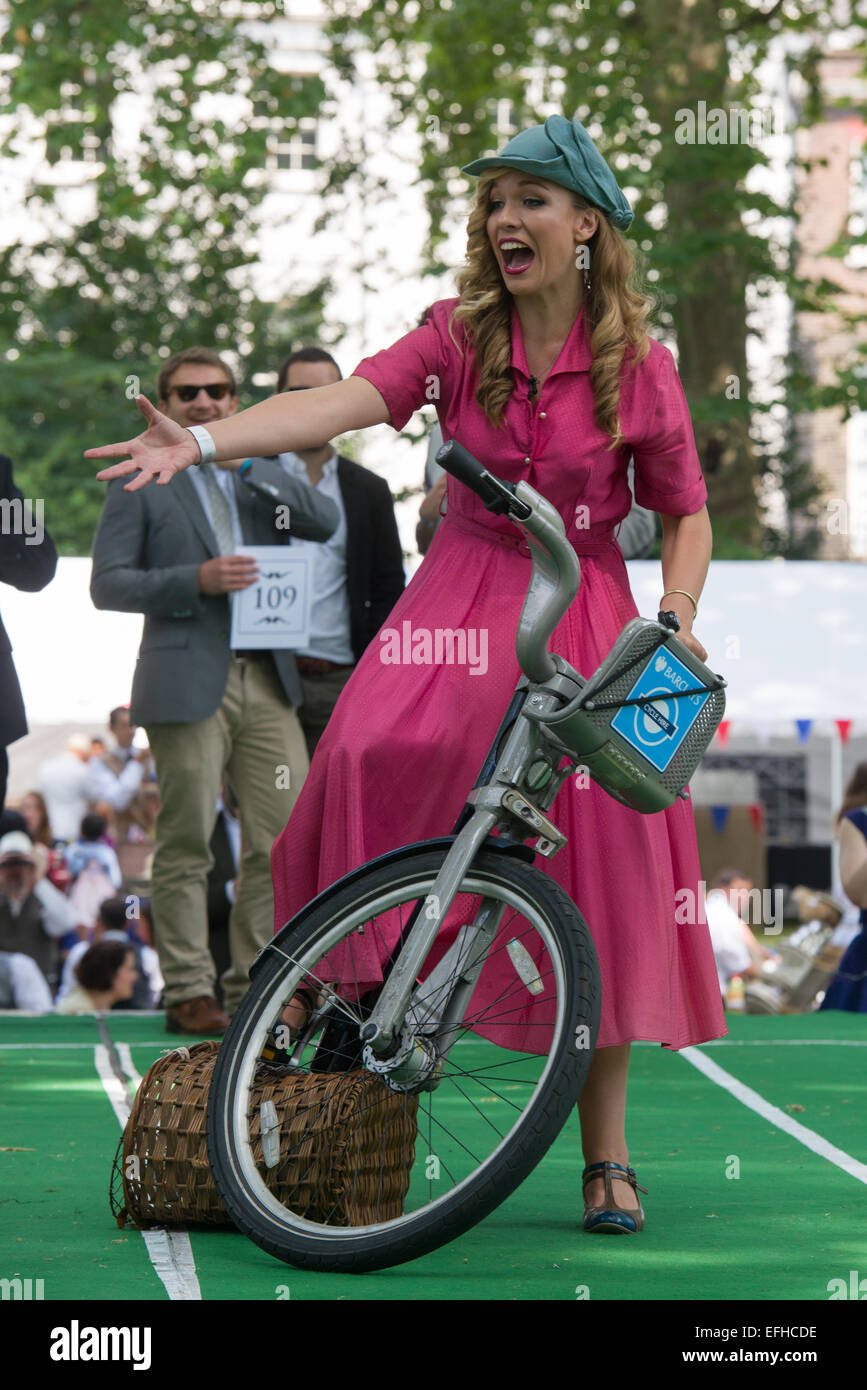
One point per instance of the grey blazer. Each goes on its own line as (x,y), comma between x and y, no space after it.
(146,555)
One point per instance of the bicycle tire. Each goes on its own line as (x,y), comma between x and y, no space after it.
(342,1250)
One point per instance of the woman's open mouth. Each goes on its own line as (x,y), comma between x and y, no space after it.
(516,257)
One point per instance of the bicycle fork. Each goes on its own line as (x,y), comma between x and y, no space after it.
(429,1016)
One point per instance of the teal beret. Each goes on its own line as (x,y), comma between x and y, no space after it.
(563,152)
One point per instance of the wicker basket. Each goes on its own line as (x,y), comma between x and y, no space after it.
(347,1146)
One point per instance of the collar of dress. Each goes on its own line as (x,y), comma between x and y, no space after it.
(574,354)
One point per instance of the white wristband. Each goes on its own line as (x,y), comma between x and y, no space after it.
(207,447)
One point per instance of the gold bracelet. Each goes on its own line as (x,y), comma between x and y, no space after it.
(686,595)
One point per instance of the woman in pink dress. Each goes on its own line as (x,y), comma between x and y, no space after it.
(543,369)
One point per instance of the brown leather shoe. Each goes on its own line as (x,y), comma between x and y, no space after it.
(200,1015)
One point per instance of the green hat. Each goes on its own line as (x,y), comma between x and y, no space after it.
(563,152)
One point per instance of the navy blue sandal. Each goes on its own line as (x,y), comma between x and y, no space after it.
(611,1218)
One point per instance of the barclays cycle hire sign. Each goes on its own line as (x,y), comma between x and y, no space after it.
(658,727)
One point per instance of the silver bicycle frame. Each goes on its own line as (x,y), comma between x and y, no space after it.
(501,802)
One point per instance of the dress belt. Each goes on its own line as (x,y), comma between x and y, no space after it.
(589,543)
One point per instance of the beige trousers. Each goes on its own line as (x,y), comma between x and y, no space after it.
(256,739)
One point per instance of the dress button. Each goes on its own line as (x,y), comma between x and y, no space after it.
(543,415)
(526,460)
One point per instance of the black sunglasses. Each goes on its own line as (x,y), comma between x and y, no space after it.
(215,389)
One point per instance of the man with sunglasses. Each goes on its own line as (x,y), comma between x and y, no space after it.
(169,553)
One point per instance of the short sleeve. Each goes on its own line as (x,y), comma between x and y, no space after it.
(668,476)
(410,373)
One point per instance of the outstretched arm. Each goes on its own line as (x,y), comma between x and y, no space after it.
(282,424)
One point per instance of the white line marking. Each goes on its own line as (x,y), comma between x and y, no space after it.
(170,1251)
(129,1066)
(778,1118)
(715,1042)
(786,1042)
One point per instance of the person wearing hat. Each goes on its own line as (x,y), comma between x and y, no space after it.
(34,915)
(545,372)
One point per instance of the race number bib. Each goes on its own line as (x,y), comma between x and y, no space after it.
(275,611)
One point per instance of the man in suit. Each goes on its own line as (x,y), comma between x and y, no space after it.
(28,560)
(169,553)
(358,571)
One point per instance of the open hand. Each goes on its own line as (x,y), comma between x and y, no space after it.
(162,450)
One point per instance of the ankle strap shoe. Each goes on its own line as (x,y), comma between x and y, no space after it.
(610,1218)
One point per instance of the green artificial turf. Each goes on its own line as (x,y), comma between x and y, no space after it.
(782,1229)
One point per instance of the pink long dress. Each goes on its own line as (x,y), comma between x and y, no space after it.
(406,741)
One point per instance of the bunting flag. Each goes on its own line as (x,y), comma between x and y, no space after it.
(804,726)
(719,815)
(757,816)
(722,732)
(843,727)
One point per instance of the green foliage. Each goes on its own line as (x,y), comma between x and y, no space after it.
(629,69)
(158,251)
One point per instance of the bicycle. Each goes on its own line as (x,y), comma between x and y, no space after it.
(474,1042)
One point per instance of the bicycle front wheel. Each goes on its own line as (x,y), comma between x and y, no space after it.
(350,1174)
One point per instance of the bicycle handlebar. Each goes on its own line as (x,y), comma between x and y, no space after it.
(497,495)
(556,571)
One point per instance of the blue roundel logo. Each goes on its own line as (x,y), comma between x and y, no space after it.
(649,728)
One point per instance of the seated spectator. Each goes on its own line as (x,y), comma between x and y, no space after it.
(122,780)
(92,848)
(35,812)
(37,825)
(33,914)
(106,975)
(114,924)
(65,784)
(23,985)
(729,934)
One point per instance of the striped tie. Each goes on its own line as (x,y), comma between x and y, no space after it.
(221,512)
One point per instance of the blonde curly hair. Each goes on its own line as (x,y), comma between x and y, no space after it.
(616,307)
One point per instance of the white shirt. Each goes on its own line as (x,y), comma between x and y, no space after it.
(58,914)
(731,952)
(29,986)
(117,788)
(329,610)
(65,783)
